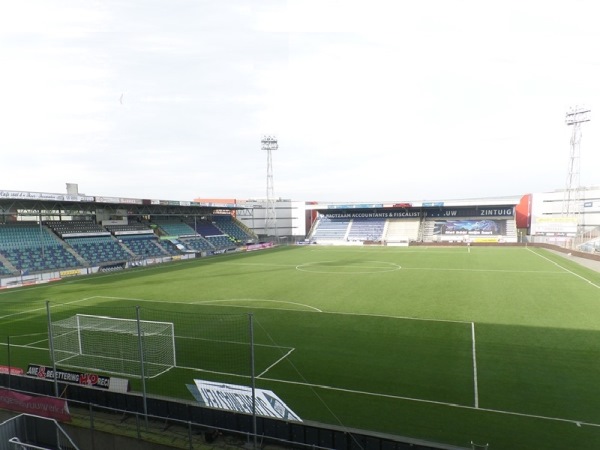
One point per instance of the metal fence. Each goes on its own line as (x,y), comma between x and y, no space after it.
(26,431)
(186,425)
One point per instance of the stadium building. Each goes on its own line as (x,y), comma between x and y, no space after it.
(47,236)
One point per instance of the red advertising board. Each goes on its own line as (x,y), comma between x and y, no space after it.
(12,370)
(51,408)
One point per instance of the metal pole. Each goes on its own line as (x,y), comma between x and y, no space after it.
(92,425)
(253,378)
(51,342)
(8,357)
(142,372)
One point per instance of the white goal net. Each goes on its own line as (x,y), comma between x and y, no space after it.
(114,345)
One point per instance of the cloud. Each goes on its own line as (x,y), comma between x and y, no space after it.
(369,101)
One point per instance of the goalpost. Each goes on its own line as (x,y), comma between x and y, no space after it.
(114,345)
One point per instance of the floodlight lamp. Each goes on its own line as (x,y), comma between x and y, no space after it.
(578,115)
(269,143)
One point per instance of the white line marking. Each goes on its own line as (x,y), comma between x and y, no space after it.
(475,385)
(481,270)
(20,313)
(398,397)
(564,268)
(207,302)
(311,310)
(275,363)
(259,264)
(435,402)
(386,316)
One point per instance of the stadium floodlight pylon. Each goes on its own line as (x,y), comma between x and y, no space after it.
(571,203)
(112,345)
(269,143)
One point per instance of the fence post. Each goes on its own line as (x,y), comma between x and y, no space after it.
(253,377)
(92,425)
(8,359)
(51,342)
(142,371)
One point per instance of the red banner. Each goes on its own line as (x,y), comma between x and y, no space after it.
(52,408)
(13,370)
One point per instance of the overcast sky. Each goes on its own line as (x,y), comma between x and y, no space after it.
(369,100)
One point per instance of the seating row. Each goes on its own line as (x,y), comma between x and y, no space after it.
(29,246)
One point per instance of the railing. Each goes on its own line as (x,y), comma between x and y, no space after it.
(26,431)
(189,426)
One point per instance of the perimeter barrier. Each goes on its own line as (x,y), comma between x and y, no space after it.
(190,426)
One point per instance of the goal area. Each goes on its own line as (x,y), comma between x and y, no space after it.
(114,345)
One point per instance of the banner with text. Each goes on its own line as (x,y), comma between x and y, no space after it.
(12,370)
(388,213)
(237,398)
(88,379)
(485,227)
(52,408)
(554,226)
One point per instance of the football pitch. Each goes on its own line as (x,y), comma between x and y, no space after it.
(497,345)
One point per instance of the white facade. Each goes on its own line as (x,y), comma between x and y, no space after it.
(291,218)
(578,231)
(549,205)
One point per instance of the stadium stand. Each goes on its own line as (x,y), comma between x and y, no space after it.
(330,229)
(132,228)
(99,249)
(140,239)
(197,243)
(30,247)
(232,227)
(221,242)
(74,228)
(169,247)
(4,270)
(143,245)
(206,228)
(366,229)
(173,227)
(402,229)
(213,235)
(41,259)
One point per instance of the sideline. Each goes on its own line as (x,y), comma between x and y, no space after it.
(565,269)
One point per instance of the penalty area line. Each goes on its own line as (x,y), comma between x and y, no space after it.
(579,423)
(275,363)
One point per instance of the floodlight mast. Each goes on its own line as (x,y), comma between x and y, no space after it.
(571,203)
(269,144)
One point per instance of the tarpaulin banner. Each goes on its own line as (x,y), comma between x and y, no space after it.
(51,408)
(234,397)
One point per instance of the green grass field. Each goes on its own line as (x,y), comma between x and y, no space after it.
(497,345)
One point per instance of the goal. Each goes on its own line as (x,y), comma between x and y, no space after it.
(113,345)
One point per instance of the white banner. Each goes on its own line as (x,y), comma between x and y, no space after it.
(554,226)
(23,195)
(234,397)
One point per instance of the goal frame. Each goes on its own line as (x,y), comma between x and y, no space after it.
(135,328)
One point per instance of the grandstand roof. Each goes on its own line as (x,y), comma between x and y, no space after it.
(491,201)
(33,203)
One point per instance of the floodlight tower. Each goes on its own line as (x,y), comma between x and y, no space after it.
(575,117)
(269,143)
